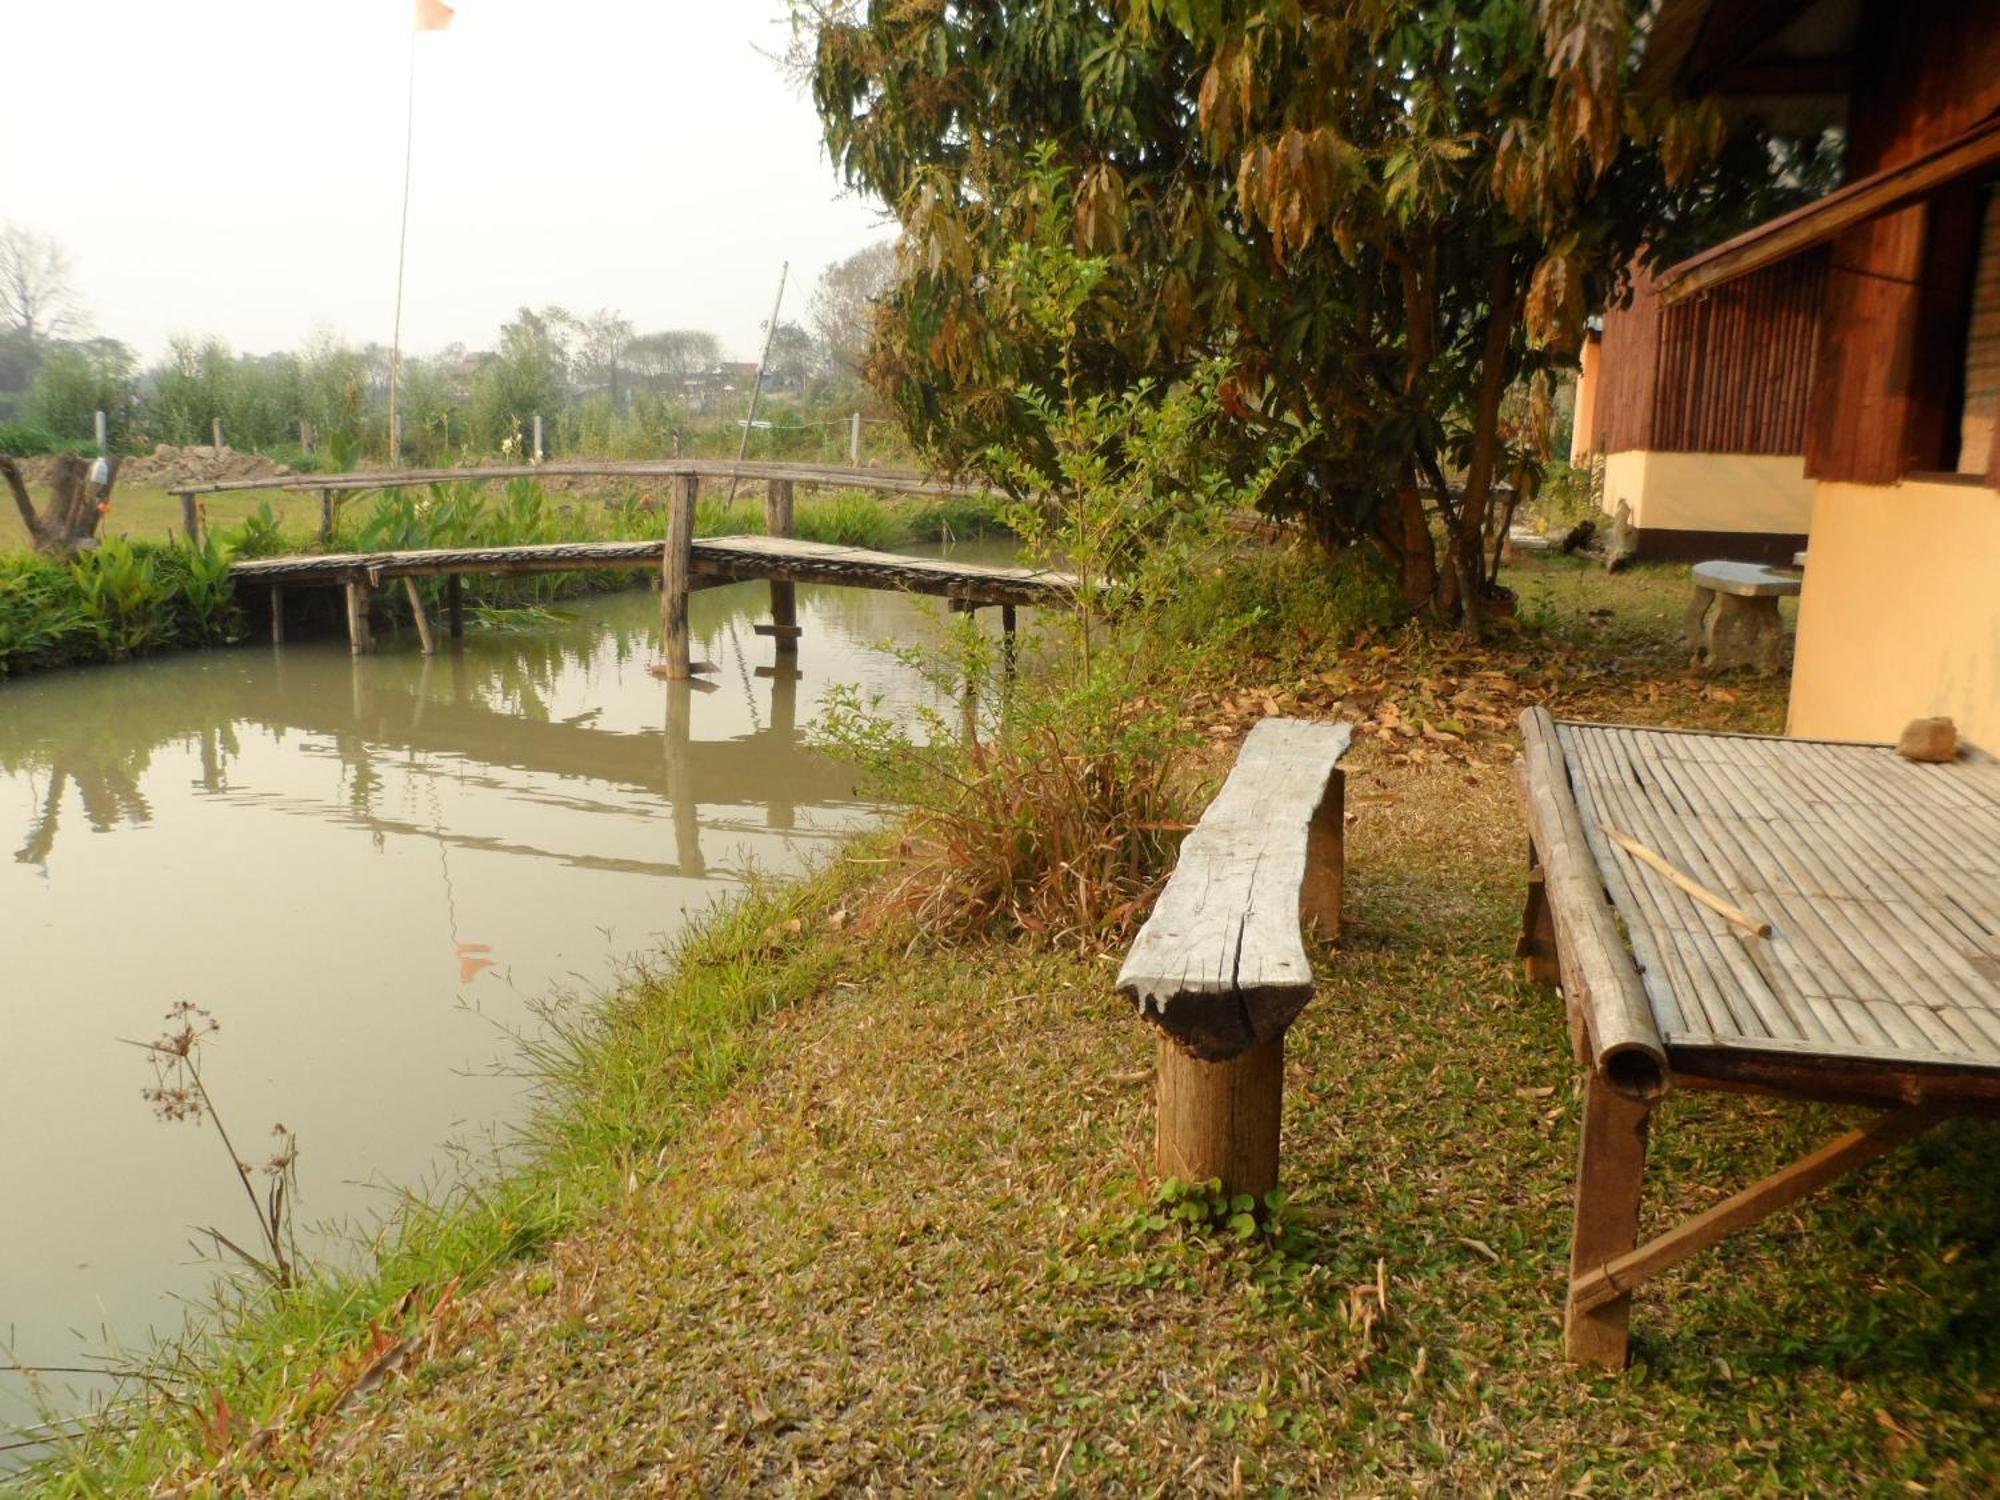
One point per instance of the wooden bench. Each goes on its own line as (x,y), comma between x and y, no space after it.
(1796,918)
(1220,968)
(1732,618)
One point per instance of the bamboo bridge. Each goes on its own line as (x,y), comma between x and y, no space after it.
(685,562)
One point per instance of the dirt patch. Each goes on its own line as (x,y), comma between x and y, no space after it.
(168,467)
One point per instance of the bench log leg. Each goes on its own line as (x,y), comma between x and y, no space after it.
(1326,859)
(1220,1119)
(1610,1170)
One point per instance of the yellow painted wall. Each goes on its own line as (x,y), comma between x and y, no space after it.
(1711,491)
(1900,617)
(1583,424)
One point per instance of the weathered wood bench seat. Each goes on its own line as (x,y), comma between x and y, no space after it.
(1732,617)
(1220,968)
(1796,918)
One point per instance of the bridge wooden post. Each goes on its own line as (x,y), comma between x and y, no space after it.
(359,638)
(277,615)
(454,603)
(676,567)
(423,620)
(779,521)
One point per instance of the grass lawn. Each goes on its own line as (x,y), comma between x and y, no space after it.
(155,515)
(900,1237)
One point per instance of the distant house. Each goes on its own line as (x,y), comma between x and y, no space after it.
(1698,411)
(1892,413)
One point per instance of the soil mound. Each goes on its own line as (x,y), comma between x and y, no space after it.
(167,467)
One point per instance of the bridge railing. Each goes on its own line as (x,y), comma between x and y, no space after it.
(339,487)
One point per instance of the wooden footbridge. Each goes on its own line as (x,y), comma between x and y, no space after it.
(685,562)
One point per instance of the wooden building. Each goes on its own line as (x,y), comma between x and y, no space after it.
(1698,411)
(1893,408)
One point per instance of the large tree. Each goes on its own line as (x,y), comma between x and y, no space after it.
(37,292)
(843,302)
(1382,213)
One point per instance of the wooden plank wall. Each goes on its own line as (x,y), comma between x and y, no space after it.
(1926,74)
(1736,365)
(1730,372)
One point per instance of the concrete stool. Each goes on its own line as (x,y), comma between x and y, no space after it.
(1733,619)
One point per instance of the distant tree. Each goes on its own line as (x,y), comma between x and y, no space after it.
(674,355)
(78,380)
(843,303)
(189,389)
(529,374)
(37,294)
(603,339)
(1382,215)
(796,356)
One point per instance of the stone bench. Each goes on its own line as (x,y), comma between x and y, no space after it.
(1220,968)
(1732,619)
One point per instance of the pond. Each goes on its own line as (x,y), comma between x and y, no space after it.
(374,872)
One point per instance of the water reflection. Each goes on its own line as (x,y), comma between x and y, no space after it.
(372,870)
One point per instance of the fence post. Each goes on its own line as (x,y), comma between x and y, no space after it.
(535,454)
(854,441)
(215,431)
(103,424)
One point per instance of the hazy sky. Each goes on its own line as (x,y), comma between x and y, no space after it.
(236,166)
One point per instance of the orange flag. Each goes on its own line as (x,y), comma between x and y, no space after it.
(433,15)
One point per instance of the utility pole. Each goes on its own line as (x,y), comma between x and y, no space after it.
(757,386)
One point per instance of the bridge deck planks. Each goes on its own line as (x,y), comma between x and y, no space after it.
(728,559)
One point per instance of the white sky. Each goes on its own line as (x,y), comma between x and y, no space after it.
(236,166)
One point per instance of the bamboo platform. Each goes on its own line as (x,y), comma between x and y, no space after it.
(1797,918)
(1879,879)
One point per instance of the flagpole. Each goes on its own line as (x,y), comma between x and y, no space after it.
(402,247)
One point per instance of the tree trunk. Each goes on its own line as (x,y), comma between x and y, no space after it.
(75,503)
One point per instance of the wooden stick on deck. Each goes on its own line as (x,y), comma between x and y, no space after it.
(1680,880)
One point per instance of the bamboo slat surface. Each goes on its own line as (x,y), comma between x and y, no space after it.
(1880,878)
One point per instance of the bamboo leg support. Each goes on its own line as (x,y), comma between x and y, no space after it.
(277,615)
(1610,1172)
(1220,1119)
(454,603)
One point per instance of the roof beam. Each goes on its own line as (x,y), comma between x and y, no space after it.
(1816,223)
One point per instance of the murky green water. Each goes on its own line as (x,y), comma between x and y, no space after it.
(372,871)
